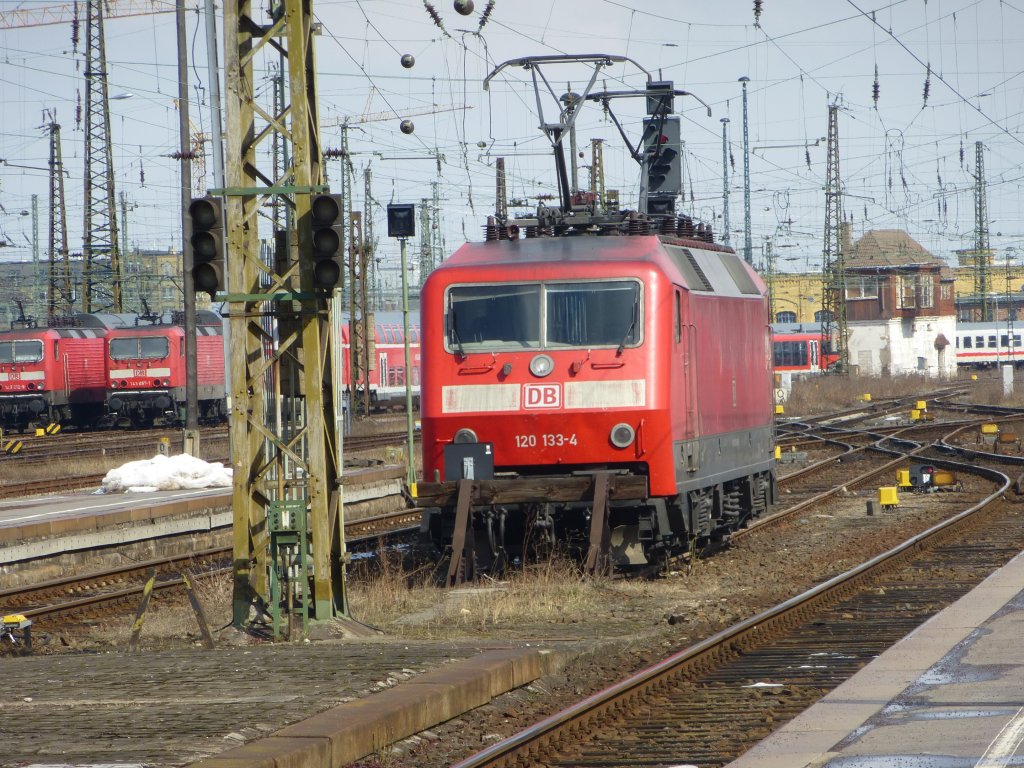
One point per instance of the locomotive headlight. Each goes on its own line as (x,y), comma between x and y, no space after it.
(541,366)
(465,436)
(622,435)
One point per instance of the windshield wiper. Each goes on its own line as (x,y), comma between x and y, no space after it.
(629,330)
(455,334)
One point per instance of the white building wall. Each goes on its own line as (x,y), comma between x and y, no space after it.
(898,347)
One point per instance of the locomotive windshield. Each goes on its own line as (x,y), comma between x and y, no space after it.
(139,348)
(30,351)
(544,315)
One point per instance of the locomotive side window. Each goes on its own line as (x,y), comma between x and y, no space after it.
(536,315)
(30,351)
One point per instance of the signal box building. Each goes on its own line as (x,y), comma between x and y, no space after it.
(900,308)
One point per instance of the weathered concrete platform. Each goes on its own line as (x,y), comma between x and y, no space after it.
(949,695)
(48,526)
(310,704)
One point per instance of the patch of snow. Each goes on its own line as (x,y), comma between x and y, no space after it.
(166,473)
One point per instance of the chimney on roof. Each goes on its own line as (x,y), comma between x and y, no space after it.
(846,238)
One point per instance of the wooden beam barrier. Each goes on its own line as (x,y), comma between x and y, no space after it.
(529,489)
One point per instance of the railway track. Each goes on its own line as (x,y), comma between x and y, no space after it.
(113,589)
(11,489)
(764,670)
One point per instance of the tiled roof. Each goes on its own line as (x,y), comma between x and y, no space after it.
(888,248)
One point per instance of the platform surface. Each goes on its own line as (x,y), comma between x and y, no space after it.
(949,695)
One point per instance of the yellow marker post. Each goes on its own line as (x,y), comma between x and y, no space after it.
(915,415)
(888,498)
(866,397)
(778,452)
(779,410)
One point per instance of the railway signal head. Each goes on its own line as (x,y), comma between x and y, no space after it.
(325,210)
(401,220)
(206,241)
(662,163)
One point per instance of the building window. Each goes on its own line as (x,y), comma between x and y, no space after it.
(822,316)
(925,291)
(862,287)
(785,317)
(908,293)
(946,291)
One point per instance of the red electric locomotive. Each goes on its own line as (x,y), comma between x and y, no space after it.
(146,371)
(644,360)
(54,375)
(601,385)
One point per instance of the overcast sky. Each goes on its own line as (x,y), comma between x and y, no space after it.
(901,160)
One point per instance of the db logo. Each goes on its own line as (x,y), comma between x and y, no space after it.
(140,372)
(542,395)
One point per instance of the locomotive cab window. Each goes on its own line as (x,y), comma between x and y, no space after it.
(30,351)
(139,348)
(544,315)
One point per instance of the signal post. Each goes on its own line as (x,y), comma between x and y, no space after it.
(288,540)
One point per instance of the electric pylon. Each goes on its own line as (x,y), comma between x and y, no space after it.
(981,245)
(101,289)
(833,262)
(288,538)
(59,298)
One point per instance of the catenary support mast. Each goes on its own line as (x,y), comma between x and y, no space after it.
(284,449)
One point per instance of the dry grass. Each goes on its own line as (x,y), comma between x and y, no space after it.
(411,605)
(821,394)
(170,621)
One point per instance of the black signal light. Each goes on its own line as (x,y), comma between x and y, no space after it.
(206,241)
(326,212)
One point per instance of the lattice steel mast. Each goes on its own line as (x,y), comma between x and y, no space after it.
(101,288)
(833,265)
(59,298)
(981,243)
(287,487)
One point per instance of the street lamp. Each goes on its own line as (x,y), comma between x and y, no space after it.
(402,224)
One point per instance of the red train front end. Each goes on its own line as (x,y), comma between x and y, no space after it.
(146,373)
(53,376)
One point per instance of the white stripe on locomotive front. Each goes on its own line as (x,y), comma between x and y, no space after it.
(24,376)
(495,398)
(131,373)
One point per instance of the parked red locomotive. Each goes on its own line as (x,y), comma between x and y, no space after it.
(146,371)
(54,375)
(602,385)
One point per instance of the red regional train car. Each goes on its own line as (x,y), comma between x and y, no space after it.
(641,359)
(54,375)
(797,350)
(387,378)
(146,372)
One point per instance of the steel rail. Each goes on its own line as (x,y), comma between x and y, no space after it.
(621,694)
